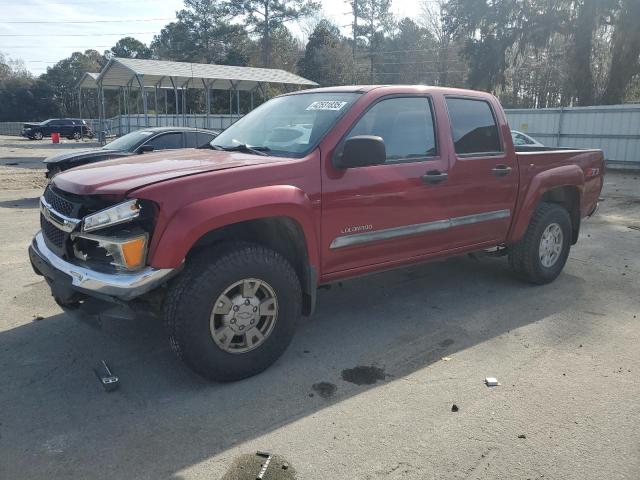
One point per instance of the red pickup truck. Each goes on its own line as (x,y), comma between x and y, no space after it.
(310,188)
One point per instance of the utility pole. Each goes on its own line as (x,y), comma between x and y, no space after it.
(355,41)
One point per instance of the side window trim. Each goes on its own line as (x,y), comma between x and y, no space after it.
(429,99)
(495,120)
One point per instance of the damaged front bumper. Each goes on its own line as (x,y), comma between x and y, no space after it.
(67,279)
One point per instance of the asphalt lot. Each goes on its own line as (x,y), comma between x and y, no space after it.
(566,356)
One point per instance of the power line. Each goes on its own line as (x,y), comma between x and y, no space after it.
(73,34)
(408,63)
(89,21)
(420,73)
(417,50)
(79,2)
(50,47)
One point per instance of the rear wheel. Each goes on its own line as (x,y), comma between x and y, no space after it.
(232,314)
(541,255)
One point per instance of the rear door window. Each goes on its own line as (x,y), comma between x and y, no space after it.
(197,139)
(405,125)
(473,126)
(166,141)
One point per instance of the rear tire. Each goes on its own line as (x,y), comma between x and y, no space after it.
(232,314)
(543,251)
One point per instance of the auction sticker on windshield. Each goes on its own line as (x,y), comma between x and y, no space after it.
(326,105)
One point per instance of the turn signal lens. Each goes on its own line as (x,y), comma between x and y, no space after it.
(133,252)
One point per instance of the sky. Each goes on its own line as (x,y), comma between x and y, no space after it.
(32,30)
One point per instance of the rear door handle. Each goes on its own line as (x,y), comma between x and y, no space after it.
(434,177)
(501,170)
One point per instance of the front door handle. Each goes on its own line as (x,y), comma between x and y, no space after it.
(434,177)
(501,170)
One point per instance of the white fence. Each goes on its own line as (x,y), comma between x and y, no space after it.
(10,128)
(123,124)
(127,123)
(614,128)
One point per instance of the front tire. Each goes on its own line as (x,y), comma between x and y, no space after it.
(541,255)
(232,314)
(76,136)
(38,136)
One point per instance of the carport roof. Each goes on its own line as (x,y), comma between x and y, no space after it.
(119,72)
(90,80)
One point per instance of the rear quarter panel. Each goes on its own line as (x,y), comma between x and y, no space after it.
(544,171)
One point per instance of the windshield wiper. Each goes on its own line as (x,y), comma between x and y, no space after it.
(243,148)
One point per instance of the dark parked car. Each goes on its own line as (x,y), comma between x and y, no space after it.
(140,141)
(71,128)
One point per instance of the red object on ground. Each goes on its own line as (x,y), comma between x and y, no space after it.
(55,137)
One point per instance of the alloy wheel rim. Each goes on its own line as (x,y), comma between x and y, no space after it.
(244,316)
(550,245)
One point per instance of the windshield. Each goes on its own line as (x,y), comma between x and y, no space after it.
(128,141)
(290,125)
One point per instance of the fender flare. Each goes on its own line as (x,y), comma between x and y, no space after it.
(188,224)
(563,176)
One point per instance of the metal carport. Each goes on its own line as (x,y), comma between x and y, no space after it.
(128,73)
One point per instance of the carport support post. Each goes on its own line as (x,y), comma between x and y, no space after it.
(143,92)
(80,102)
(157,85)
(207,89)
(175,96)
(102,113)
(155,99)
(119,108)
(129,107)
(184,103)
(231,92)
(263,91)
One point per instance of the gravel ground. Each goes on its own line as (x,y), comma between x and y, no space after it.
(367,387)
(21,160)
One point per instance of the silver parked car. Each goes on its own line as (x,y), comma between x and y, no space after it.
(520,139)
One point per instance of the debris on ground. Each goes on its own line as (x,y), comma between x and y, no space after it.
(248,467)
(445,359)
(37,318)
(108,380)
(265,465)
(491,382)
(454,408)
(522,435)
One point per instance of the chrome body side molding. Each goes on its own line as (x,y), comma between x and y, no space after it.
(416,229)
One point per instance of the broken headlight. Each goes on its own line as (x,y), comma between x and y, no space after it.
(120,213)
(117,236)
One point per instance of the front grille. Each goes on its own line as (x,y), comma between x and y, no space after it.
(58,203)
(52,234)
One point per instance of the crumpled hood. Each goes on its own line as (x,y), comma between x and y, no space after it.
(94,155)
(117,177)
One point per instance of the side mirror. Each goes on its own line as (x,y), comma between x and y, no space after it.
(146,148)
(361,151)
